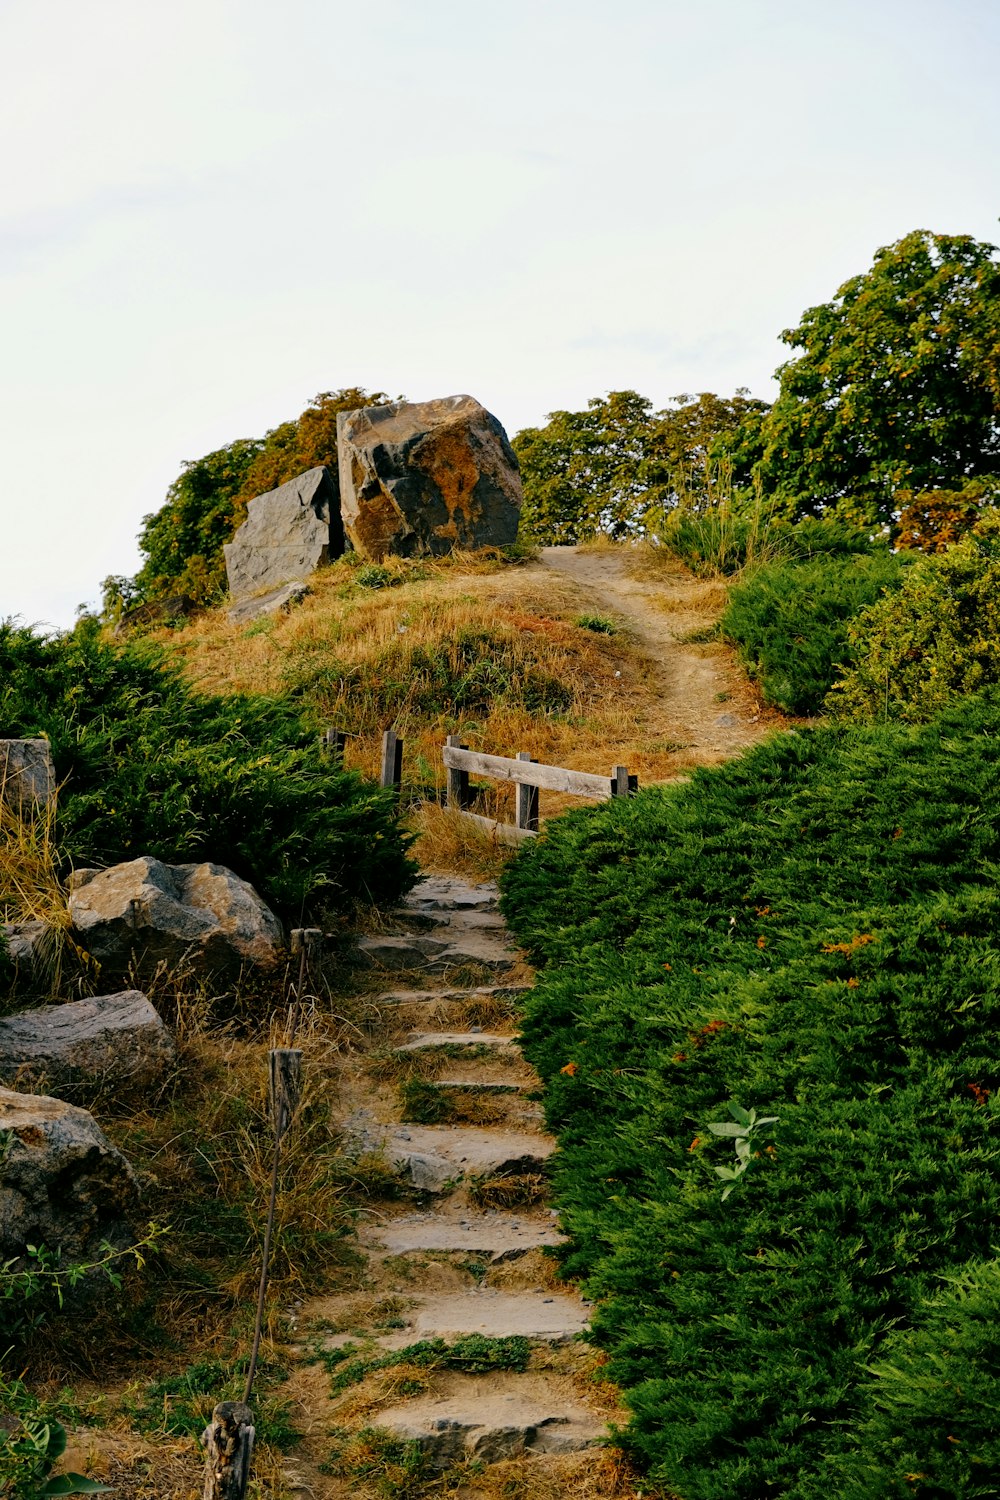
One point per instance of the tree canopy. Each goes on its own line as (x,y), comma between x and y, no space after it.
(614,467)
(183,540)
(897,387)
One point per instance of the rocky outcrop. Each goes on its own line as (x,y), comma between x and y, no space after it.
(198,914)
(27,774)
(420,478)
(110,1040)
(288,533)
(62,1183)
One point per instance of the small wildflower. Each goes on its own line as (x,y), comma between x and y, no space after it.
(695,1144)
(762,941)
(569,1069)
(853,984)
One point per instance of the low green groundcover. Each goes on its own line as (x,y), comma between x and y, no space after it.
(811,933)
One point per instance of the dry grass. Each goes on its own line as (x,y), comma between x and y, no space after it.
(31,889)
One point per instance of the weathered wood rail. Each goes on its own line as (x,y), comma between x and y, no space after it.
(529,777)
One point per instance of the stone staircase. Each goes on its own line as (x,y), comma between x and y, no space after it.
(460,1249)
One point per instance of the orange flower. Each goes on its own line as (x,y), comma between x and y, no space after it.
(668,967)
(853,984)
(695,1143)
(762,941)
(569,1069)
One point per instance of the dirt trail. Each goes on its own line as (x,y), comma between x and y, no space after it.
(703,698)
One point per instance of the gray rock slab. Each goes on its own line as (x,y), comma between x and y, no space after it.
(63,1183)
(110,1039)
(430,1041)
(203,915)
(552,1318)
(433,955)
(419,478)
(491,1419)
(31,948)
(27,775)
(480,992)
(495,1235)
(289,532)
(445,892)
(274,602)
(431,1157)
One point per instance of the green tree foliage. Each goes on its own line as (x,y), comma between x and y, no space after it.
(897,386)
(183,540)
(935,638)
(147,766)
(810,932)
(616,467)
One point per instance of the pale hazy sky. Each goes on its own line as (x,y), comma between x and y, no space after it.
(213,209)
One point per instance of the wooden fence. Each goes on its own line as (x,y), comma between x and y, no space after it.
(529,778)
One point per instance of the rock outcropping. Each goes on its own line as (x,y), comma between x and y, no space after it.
(62,1183)
(199,914)
(109,1040)
(419,478)
(27,775)
(288,533)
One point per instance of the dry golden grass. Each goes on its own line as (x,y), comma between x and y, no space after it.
(31,889)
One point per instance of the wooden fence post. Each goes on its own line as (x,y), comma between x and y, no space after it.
(392,760)
(527,800)
(458,781)
(228,1439)
(620,781)
(333,743)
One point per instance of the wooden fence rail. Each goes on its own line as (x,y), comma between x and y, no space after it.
(529,778)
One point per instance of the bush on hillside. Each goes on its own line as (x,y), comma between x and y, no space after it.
(811,931)
(147,766)
(934,639)
(933,1398)
(791,620)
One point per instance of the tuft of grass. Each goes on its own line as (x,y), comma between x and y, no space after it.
(509,1190)
(472,1354)
(599,624)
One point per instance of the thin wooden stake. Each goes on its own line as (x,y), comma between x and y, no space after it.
(333,743)
(286,1086)
(228,1439)
(526,815)
(392,760)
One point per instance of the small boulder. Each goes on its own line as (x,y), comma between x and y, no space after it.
(62,1183)
(203,914)
(27,775)
(419,478)
(162,611)
(278,601)
(288,533)
(111,1039)
(30,948)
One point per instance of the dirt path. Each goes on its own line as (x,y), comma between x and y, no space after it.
(703,698)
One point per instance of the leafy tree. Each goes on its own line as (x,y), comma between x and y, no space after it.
(183,540)
(897,386)
(933,520)
(615,467)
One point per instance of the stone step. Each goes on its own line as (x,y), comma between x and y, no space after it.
(497,1236)
(489,1418)
(479,992)
(485,1085)
(433,955)
(432,1157)
(443,892)
(550,1318)
(431,1041)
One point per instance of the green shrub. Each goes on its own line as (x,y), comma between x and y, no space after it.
(932,1399)
(599,624)
(791,620)
(935,639)
(812,932)
(32,1440)
(147,766)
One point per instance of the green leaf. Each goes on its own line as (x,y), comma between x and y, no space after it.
(74,1484)
(739,1113)
(728,1130)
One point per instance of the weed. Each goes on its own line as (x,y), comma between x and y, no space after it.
(181,1404)
(599,624)
(472,1354)
(509,1190)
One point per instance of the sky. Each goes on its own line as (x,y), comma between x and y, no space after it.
(214,209)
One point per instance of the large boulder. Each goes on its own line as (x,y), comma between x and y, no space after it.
(62,1183)
(176,914)
(110,1040)
(288,533)
(425,477)
(27,775)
